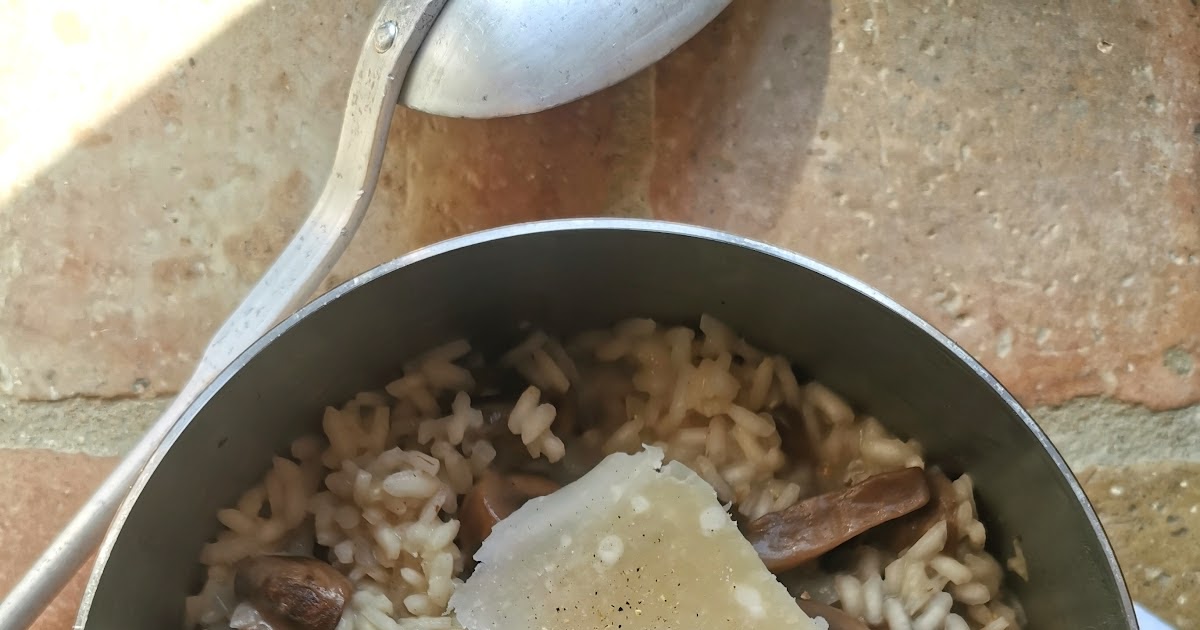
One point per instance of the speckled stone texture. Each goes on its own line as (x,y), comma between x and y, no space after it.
(1022,174)
(1151,512)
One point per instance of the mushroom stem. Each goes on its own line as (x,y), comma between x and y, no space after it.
(790,537)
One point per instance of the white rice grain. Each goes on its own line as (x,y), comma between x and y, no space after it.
(718,338)
(761,383)
(624,439)
(388,540)
(457,470)
(420,604)
(714,446)
(850,594)
(426,623)
(999,623)
(893,576)
(439,571)
(915,589)
(482,455)
(344,552)
(752,452)
(252,501)
(528,418)
(964,515)
(562,360)
(976,534)
(740,473)
(971,594)
(238,522)
(442,536)
(694,437)
(551,376)
(873,600)
(377,619)
(1017,563)
(952,569)
(954,622)
(893,613)
(787,497)
(410,485)
(929,544)
(414,578)
(870,562)
(525,349)
(708,471)
(552,448)
(985,569)
(792,392)
(751,422)
(757,506)
(935,613)
(821,402)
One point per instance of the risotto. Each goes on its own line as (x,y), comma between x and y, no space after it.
(372,524)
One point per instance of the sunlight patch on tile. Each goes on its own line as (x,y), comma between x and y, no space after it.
(67,65)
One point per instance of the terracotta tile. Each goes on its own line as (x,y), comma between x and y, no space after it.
(44,490)
(1151,513)
(734,111)
(444,177)
(1000,170)
(586,158)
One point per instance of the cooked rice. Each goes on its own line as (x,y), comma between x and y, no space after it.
(381,488)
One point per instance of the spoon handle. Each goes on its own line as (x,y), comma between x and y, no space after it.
(397,32)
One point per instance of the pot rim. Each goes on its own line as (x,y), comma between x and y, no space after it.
(581,225)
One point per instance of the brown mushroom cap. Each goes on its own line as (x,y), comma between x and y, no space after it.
(492,499)
(837,618)
(790,537)
(293,592)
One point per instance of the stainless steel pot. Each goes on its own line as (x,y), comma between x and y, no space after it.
(567,275)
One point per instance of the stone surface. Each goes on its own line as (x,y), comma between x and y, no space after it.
(1151,513)
(1025,177)
(1098,432)
(43,490)
(90,426)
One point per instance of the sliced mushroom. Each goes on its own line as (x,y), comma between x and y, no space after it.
(293,592)
(492,499)
(796,441)
(790,537)
(837,618)
(943,502)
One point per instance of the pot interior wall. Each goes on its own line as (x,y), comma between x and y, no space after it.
(564,281)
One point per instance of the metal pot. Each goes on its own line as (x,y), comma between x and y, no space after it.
(568,275)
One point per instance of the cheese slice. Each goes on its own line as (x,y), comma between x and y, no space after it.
(632,545)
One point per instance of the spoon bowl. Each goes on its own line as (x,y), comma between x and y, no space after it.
(491,58)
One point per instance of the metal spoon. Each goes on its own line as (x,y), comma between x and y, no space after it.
(472,58)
